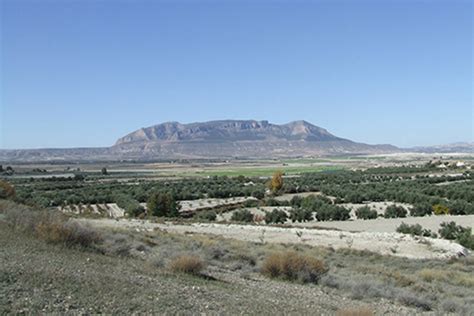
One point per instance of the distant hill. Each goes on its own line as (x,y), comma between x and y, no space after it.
(240,138)
(228,131)
(462,147)
(214,139)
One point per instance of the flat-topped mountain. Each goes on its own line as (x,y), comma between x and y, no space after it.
(239,138)
(229,130)
(214,139)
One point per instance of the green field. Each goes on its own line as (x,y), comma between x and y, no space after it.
(262,171)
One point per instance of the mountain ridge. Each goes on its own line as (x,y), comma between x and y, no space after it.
(219,139)
(227,130)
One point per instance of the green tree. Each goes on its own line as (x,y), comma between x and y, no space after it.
(207,215)
(104,171)
(394,211)
(421,209)
(365,212)
(276,216)
(242,216)
(301,215)
(162,204)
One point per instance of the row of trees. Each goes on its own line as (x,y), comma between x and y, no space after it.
(57,193)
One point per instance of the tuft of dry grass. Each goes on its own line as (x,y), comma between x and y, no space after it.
(187,264)
(355,311)
(293,266)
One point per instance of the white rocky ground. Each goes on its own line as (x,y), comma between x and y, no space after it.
(114,211)
(194,205)
(390,224)
(384,243)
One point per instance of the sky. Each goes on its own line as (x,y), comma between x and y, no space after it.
(84,73)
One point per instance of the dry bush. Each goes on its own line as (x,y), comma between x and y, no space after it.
(18,216)
(430,275)
(51,226)
(7,191)
(68,233)
(293,266)
(187,264)
(355,311)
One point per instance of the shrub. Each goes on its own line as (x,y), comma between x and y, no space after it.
(68,233)
(329,212)
(300,215)
(450,230)
(421,210)
(162,204)
(207,215)
(259,194)
(394,211)
(7,191)
(293,267)
(131,207)
(460,207)
(276,216)
(251,203)
(466,238)
(296,201)
(273,202)
(463,235)
(416,230)
(187,264)
(242,216)
(366,212)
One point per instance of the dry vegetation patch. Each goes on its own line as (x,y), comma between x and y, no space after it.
(49,225)
(187,264)
(293,266)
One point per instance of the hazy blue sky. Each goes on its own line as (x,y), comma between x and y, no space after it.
(83,73)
